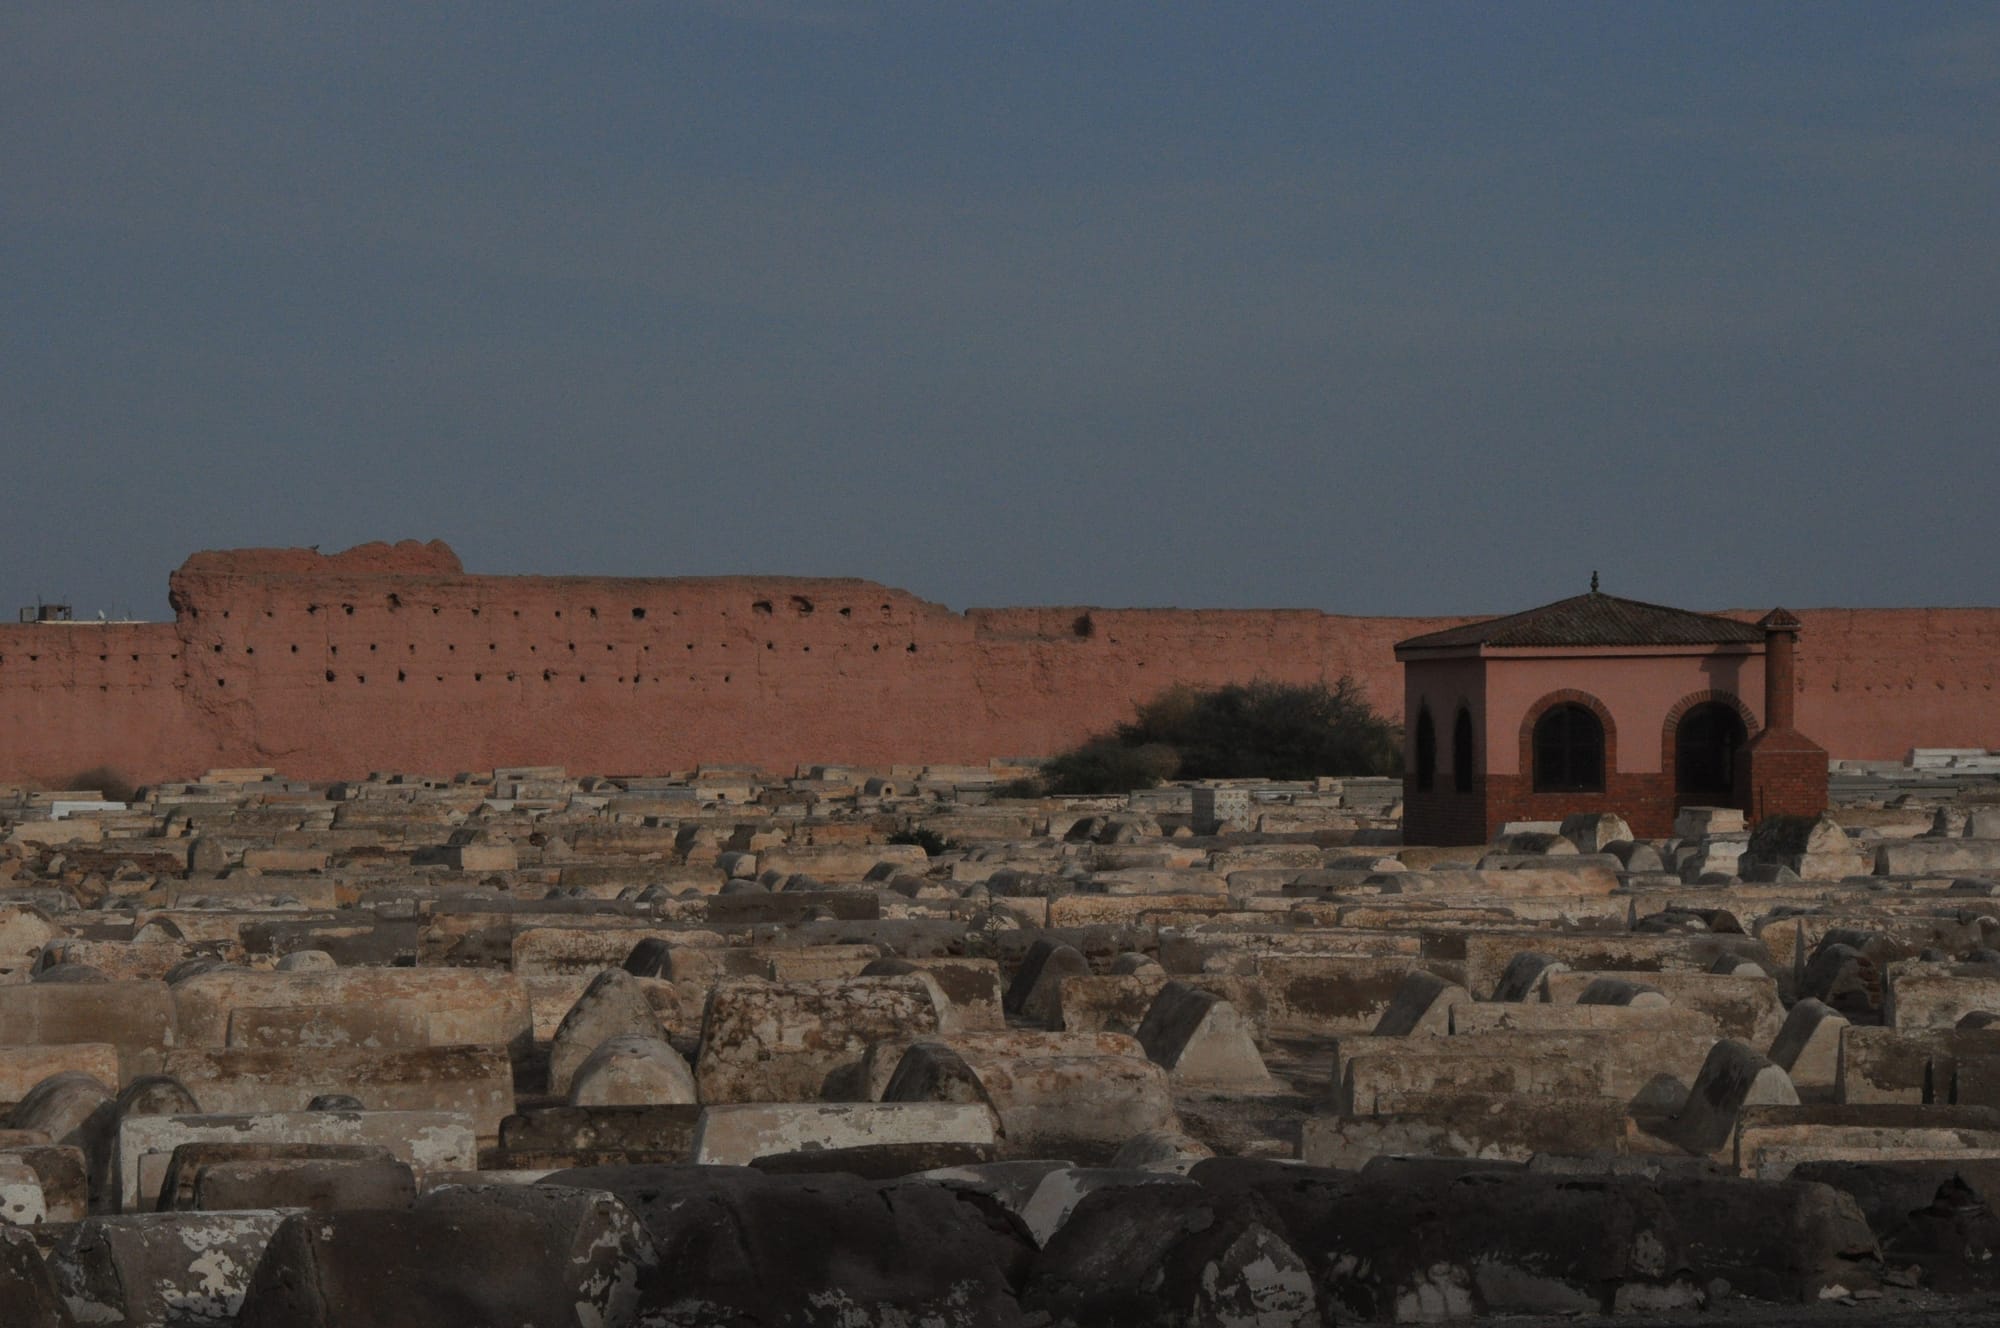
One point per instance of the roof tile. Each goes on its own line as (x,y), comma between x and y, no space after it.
(1593,620)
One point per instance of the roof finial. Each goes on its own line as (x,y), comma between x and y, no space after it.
(1593,580)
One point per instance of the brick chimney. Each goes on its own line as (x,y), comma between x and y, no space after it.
(1781,686)
(1782,772)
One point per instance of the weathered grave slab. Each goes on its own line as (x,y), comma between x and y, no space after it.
(737,1135)
(427,1140)
(477,1082)
(784,1042)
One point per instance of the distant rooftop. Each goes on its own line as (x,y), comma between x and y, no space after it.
(1593,619)
(61,615)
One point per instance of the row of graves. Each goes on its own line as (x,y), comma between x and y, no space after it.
(883,1047)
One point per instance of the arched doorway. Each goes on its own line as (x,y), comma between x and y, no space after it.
(1706,743)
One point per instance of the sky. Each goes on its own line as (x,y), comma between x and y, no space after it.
(1385,309)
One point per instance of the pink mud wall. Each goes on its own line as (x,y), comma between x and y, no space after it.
(74,696)
(768,671)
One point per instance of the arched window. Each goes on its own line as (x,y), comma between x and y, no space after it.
(1461,751)
(1427,751)
(1569,751)
(1705,746)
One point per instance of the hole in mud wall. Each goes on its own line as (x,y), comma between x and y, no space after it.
(761,606)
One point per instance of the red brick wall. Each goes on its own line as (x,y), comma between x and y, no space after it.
(1443,815)
(1645,801)
(1783,773)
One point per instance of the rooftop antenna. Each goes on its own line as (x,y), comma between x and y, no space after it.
(1593,580)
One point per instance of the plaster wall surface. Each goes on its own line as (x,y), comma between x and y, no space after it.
(1446,685)
(1639,689)
(393,657)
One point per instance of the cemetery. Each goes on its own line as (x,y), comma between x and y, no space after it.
(669,1051)
(1651,1010)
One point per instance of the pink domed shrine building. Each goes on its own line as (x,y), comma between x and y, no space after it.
(1602,704)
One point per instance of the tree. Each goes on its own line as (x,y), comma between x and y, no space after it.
(1258,729)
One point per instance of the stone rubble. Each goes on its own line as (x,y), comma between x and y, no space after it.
(882,1046)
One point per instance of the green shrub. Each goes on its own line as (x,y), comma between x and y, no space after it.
(1269,730)
(1247,730)
(1108,765)
(930,841)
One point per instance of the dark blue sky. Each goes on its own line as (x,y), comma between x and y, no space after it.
(1398,309)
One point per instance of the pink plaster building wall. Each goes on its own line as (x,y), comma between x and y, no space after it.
(1639,693)
(1639,687)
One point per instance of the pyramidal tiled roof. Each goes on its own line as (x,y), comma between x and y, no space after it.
(1593,620)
